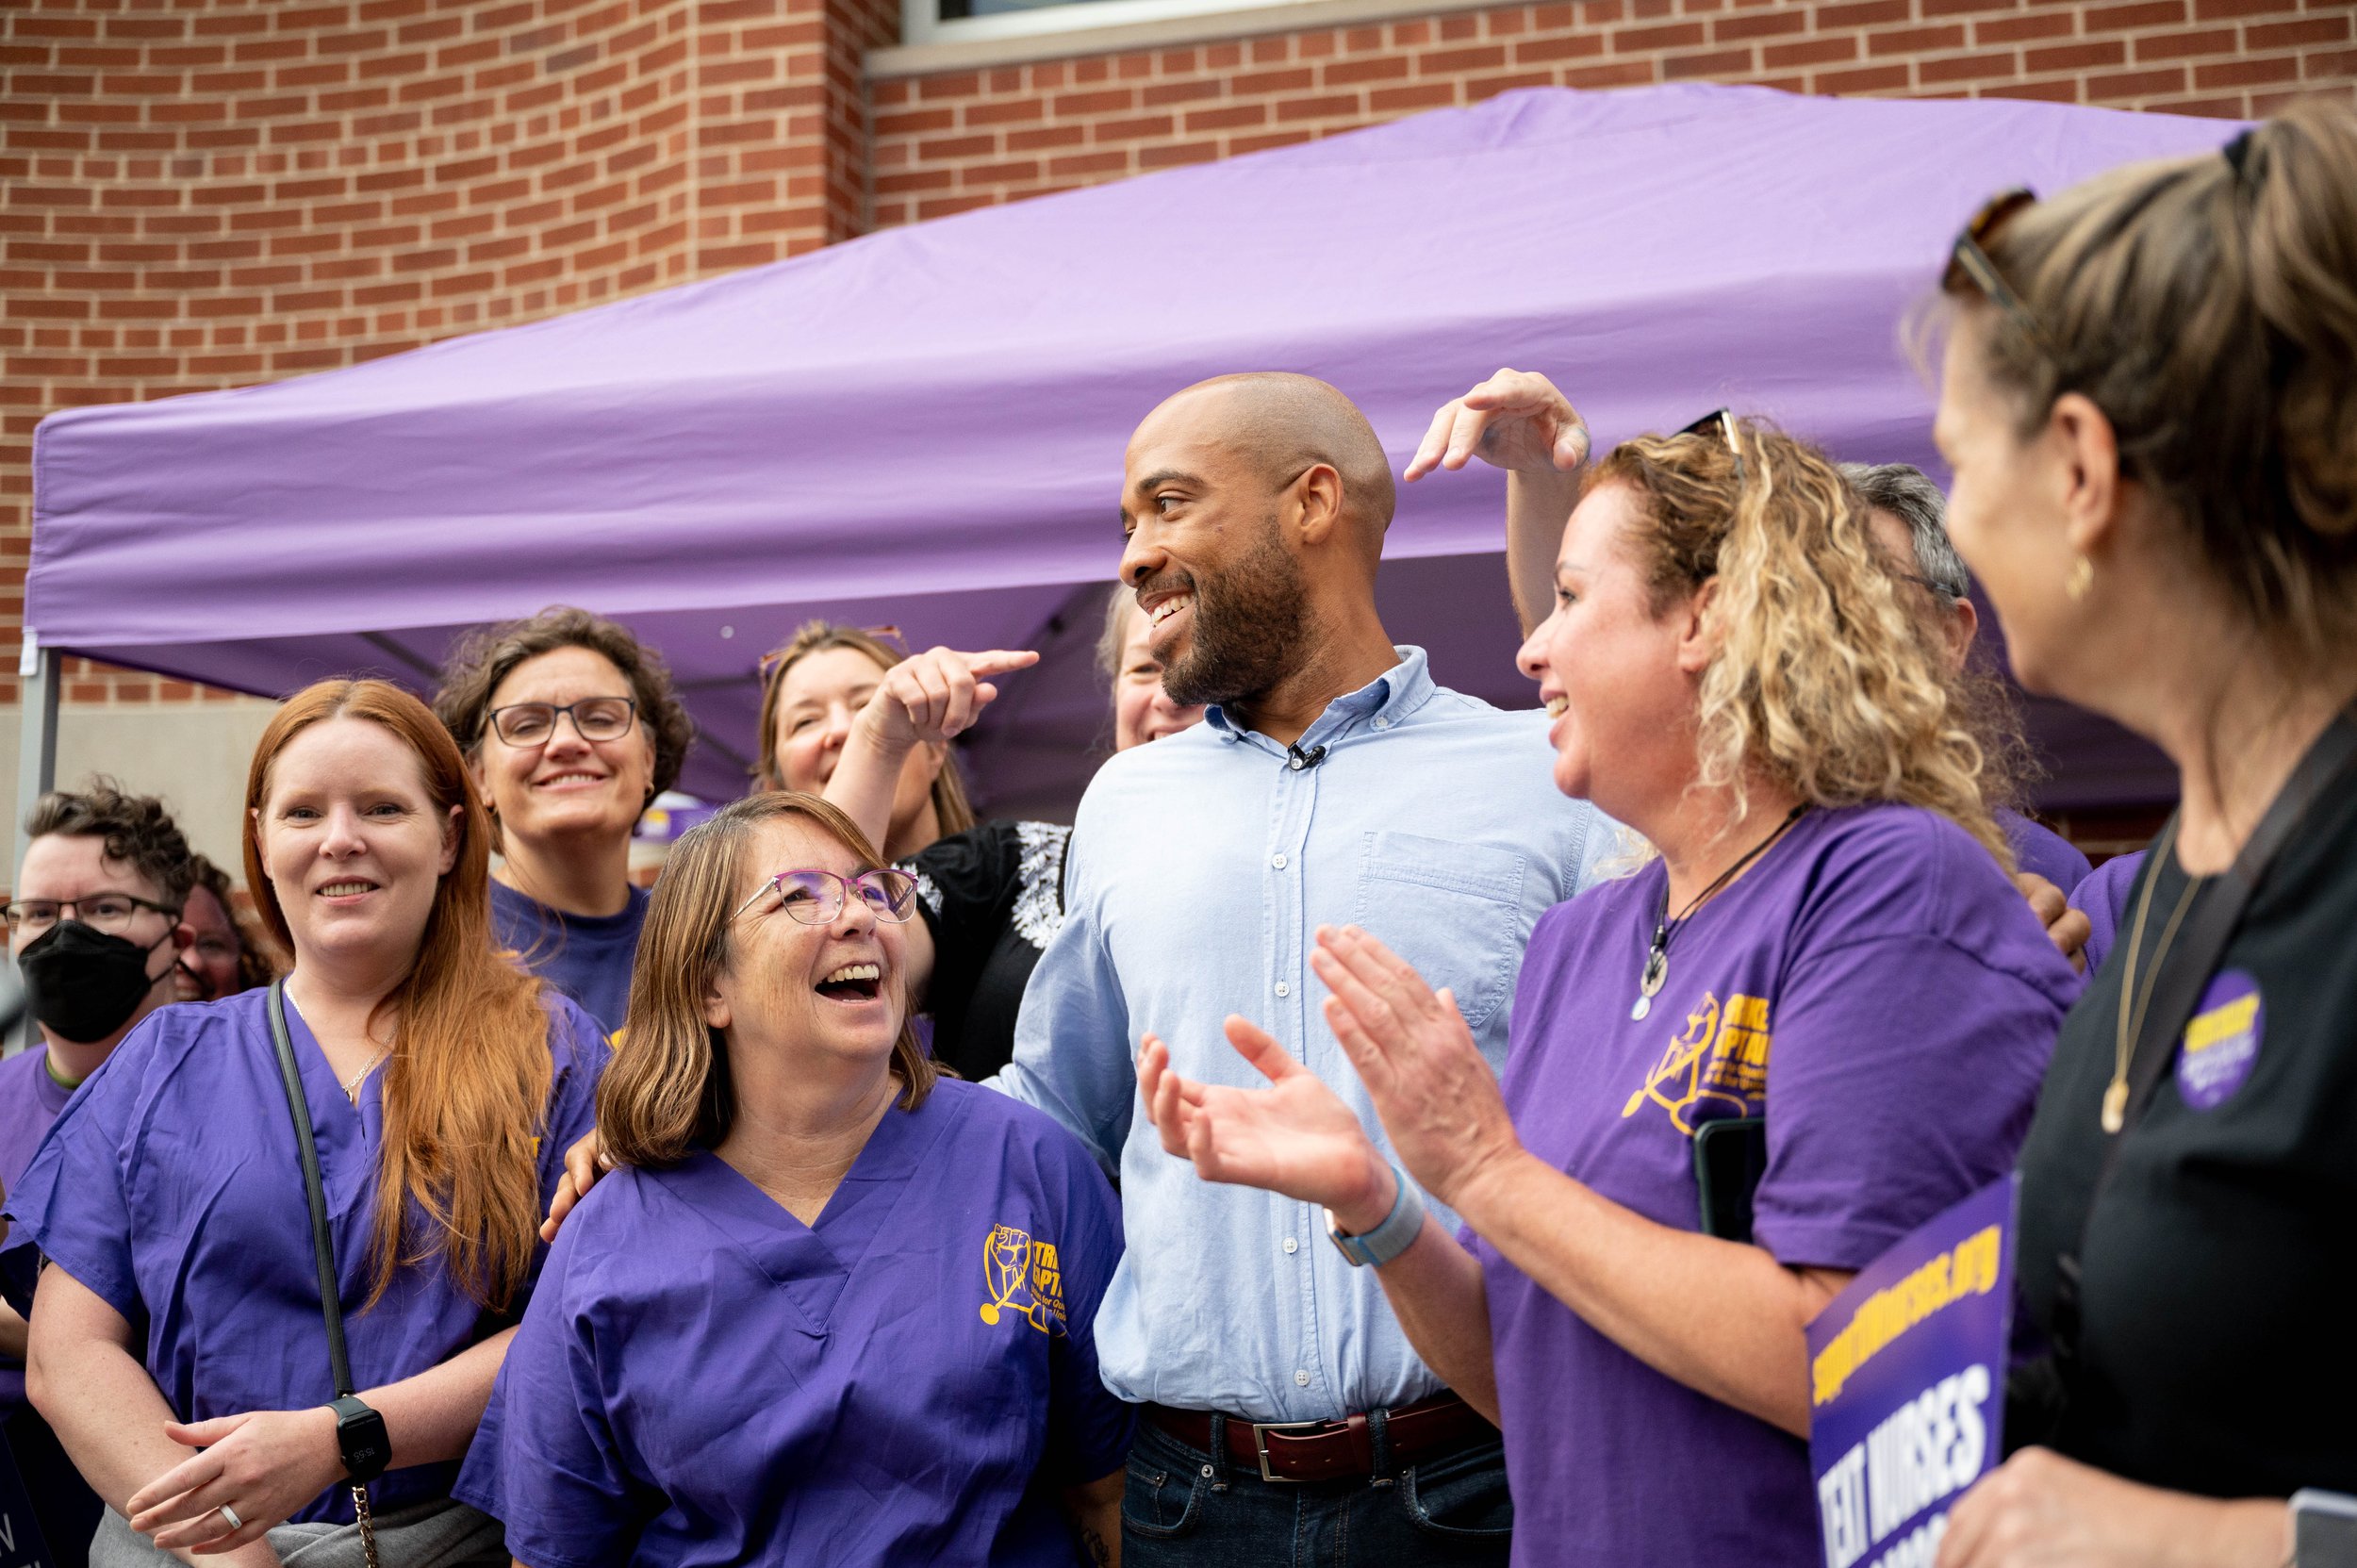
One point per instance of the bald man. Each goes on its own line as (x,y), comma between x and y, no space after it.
(1284,1418)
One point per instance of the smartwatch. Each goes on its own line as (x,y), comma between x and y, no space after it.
(360,1438)
(1391,1238)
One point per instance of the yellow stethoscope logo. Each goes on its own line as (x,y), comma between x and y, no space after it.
(1023,1277)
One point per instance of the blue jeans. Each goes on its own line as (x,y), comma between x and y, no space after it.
(1182,1507)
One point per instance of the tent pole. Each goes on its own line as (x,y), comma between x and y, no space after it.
(37,743)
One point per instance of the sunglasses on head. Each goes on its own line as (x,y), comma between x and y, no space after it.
(1721,422)
(1969,262)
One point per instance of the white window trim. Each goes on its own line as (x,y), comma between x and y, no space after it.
(1114,27)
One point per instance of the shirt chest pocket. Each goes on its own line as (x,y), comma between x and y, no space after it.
(1453,911)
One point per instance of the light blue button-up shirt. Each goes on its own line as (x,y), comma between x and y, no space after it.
(1199,870)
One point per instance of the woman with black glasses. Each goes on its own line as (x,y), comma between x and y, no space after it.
(571,728)
(830,1308)
(2149,401)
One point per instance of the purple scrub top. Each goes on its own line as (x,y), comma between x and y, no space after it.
(2103,896)
(587,957)
(703,1380)
(2039,848)
(1878,989)
(172,1187)
(29,1102)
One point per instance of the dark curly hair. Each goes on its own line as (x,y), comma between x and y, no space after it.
(488,654)
(257,961)
(136,828)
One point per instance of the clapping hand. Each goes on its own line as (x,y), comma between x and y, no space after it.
(1430,1083)
(1516,420)
(934,696)
(1294,1137)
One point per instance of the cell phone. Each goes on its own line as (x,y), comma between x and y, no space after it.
(1730,1157)
(2324,1529)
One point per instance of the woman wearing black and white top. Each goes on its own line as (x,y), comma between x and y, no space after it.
(992,895)
(2150,406)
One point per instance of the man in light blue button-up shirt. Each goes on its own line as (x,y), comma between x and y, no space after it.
(1332,783)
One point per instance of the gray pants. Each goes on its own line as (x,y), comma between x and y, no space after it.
(440,1534)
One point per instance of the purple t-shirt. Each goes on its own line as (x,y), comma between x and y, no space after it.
(2039,848)
(2103,897)
(702,1378)
(586,956)
(29,1102)
(172,1187)
(1878,989)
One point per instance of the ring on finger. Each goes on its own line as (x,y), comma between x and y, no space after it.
(231,1514)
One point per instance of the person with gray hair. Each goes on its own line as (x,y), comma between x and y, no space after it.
(1910,516)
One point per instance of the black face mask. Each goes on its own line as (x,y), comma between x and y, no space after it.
(82,985)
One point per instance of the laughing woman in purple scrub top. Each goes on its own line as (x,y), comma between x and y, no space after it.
(1827,941)
(831,1308)
(178,1345)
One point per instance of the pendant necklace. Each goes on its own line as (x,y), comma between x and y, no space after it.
(1656,971)
(351,1086)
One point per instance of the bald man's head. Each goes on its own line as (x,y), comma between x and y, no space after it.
(1283,425)
(1254,508)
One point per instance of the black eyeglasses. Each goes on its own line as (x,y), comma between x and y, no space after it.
(594,718)
(814,898)
(110,912)
(1721,422)
(1969,262)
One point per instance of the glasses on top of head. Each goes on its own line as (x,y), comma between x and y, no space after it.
(816,897)
(1968,262)
(594,718)
(1721,422)
(110,912)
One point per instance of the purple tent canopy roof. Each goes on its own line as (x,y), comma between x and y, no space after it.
(925,425)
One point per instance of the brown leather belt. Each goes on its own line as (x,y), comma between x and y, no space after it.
(1332,1450)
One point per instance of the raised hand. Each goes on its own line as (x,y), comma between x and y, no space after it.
(1436,1094)
(1515,421)
(1294,1137)
(934,696)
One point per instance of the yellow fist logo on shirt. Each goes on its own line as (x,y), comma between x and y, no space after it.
(1022,1275)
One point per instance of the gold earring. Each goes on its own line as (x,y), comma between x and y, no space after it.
(2082,578)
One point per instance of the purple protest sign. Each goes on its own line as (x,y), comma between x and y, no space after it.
(1908,1375)
(21,1545)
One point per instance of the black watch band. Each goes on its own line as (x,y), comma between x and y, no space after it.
(360,1438)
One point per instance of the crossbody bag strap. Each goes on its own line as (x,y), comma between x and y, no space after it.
(323,1241)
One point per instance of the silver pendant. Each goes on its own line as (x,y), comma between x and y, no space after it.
(1649,983)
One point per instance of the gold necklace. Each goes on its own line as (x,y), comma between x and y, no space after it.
(2129,1014)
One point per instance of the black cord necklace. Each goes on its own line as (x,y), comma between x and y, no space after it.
(1656,970)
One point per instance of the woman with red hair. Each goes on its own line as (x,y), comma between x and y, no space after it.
(180,1346)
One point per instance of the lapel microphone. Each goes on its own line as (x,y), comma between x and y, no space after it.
(1297,759)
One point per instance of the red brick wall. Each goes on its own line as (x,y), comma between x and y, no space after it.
(969,139)
(202,193)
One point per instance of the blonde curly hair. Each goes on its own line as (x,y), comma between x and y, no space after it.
(1821,678)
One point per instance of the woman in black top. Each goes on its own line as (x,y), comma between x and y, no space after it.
(992,895)
(2151,406)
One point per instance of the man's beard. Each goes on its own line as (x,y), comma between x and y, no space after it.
(1249,629)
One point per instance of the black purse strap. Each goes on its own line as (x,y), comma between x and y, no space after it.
(323,1241)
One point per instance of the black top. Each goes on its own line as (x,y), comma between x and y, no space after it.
(2216,1305)
(991,897)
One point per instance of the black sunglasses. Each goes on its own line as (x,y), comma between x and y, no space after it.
(1721,422)
(1968,264)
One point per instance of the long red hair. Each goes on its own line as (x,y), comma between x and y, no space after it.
(467,1086)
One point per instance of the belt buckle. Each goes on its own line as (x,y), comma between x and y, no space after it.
(1260,1444)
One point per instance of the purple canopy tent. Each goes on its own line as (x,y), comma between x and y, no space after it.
(925,427)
